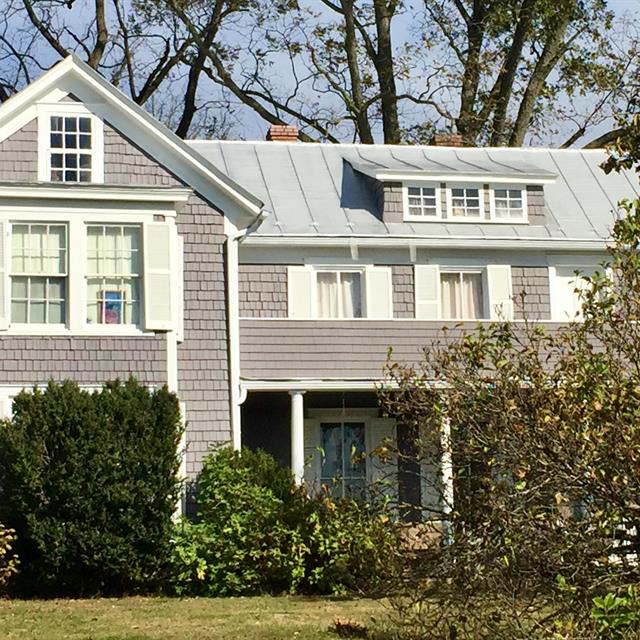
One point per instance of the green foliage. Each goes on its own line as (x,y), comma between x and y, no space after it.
(8,560)
(88,480)
(260,532)
(615,614)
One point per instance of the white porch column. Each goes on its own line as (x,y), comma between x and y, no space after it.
(297,435)
(447,478)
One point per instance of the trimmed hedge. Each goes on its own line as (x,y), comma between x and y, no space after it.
(89,482)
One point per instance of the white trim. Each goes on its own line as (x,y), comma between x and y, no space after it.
(523,196)
(45,111)
(74,191)
(327,384)
(431,242)
(406,216)
(558,294)
(472,178)
(233,320)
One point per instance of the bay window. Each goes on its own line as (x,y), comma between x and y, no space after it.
(462,295)
(38,273)
(339,294)
(113,274)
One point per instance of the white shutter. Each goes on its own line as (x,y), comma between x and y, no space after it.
(378,292)
(179,288)
(158,297)
(427,286)
(383,470)
(500,292)
(312,455)
(300,292)
(4,277)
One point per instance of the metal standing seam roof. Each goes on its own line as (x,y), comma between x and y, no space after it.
(322,189)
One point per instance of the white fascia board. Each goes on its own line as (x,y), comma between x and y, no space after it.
(95,192)
(475,178)
(302,384)
(432,242)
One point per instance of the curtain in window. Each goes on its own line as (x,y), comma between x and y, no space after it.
(449,283)
(461,296)
(472,295)
(351,296)
(339,294)
(328,295)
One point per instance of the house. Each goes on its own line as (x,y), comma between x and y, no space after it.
(264,281)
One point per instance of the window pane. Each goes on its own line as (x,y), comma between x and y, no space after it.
(70,124)
(19,288)
(327,294)
(19,311)
(472,300)
(56,313)
(37,312)
(450,295)
(38,287)
(85,125)
(351,295)
(331,444)
(353,448)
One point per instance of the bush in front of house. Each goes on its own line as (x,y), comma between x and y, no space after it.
(259,532)
(8,560)
(88,480)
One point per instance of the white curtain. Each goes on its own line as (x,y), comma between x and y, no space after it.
(328,294)
(449,286)
(351,296)
(472,296)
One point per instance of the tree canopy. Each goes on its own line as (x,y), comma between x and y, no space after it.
(500,72)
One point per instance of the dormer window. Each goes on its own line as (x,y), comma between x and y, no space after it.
(465,201)
(509,203)
(422,201)
(70,143)
(70,148)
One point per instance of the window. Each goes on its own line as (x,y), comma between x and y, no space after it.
(508,203)
(38,273)
(462,296)
(343,466)
(422,202)
(339,294)
(70,152)
(465,202)
(113,274)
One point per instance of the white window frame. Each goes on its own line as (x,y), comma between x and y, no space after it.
(45,112)
(405,201)
(44,327)
(77,221)
(443,270)
(465,219)
(338,269)
(492,203)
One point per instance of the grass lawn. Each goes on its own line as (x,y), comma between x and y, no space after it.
(260,618)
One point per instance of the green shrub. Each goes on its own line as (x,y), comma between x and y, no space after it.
(260,532)
(88,480)
(8,560)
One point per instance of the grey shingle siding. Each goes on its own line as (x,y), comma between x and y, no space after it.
(19,155)
(262,290)
(28,360)
(534,281)
(536,209)
(403,293)
(392,207)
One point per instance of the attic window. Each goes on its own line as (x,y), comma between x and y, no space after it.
(70,148)
(421,201)
(70,144)
(509,202)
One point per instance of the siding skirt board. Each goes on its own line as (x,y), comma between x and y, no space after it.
(266,425)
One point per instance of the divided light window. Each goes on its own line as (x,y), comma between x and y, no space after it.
(38,273)
(508,203)
(70,148)
(339,294)
(462,295)
(113,274)
(466,202)
(422,202)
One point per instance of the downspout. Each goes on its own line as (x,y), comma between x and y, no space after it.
(233,321)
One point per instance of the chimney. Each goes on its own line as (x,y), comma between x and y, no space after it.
(446,140)
(282,133)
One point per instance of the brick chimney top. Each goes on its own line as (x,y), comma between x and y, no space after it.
(282,133)
(446,140)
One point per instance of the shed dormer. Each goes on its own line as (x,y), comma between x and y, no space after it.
(439,187)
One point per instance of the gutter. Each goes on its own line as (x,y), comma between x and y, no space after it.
(233,323)
(431,242)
